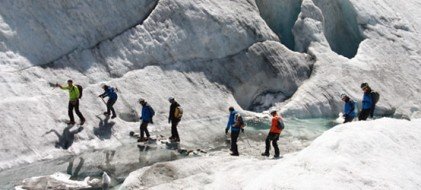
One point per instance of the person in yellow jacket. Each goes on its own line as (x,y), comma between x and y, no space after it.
(74,96)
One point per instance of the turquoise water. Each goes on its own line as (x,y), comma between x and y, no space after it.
(305,128)
(298,134)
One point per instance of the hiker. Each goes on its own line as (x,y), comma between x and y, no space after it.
(235,125)
(112,98)
(174,118)
(146,118)
(349,107)
(74,95)
(274,132)
(367,103)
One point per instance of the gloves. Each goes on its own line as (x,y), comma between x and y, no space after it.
(242,130)
(169,120)
(151,121)
(226,131)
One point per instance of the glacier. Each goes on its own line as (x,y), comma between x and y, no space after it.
(208,54)
(381,154)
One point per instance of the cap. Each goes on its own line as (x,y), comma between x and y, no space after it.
(364,85)
(170,98)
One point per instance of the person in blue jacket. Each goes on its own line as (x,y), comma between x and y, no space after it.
(235,130)
(109,92)
(146,118)
(367,103)
(349,107)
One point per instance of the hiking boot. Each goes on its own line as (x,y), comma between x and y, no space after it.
(141,139)
(114,116)
(276,157)
(235,154)
(265,154)
(176,140)
(82,122)
(106,113)
(70,123)
(171,138)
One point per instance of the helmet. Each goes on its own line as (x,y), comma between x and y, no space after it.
(141,100)
(170,99)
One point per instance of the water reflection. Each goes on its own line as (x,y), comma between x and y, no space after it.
(65,140)
(104,130)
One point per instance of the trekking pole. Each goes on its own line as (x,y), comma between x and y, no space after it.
(247,139)
(103,100)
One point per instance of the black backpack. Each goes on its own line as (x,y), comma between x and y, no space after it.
(80,88)
(281,124)
(375,96)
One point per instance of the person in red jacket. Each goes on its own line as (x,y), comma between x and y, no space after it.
(275,131)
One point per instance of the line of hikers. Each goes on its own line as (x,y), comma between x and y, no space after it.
(235,120)
(147,112)
(236,123)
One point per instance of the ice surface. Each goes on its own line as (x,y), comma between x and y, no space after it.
(43,32)
(208,54)
(379,154)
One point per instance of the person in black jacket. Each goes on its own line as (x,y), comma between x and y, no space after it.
(174,118)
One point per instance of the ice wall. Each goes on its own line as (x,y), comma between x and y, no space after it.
(341,28)
(35,33)
(281,15)
(387,59)
(208,54)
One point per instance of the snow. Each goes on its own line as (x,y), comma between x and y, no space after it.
(378,154)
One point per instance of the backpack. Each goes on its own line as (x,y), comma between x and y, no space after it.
(281,124)
(239,120)
(178,113)
(80,88)
(375,96)
(151,110)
